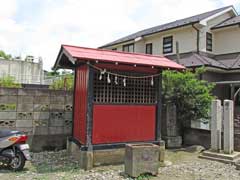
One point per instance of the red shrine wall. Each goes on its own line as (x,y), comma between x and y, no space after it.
(123,123)
(80,104)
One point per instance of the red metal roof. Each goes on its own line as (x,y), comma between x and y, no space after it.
(82,53)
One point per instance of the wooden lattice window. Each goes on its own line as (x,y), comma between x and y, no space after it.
(136,91)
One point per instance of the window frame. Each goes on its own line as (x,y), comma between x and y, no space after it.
(151,48)
(170,43)
(128,45)
(209,45)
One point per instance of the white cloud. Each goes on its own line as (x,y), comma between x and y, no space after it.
(88,23)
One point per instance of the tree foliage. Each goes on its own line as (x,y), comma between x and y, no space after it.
(9,82)
(65,82)
(5,56)
(191,96)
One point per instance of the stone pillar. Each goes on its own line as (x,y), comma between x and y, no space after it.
(216,125)
(228,127)
(170,128)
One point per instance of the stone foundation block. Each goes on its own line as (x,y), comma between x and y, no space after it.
(24,123)
(162,151)
(173,142)
(7,124)
(40,107)
(25,115)
(56,107)
(26,92)
(57,115)
(108,156)
(41,115)
(56,123)
(25,99)
(141,158)
(8,99)
(40,131)
(67,130)
(86,160)
(68,115)
(57,99)
(41,100)
(25,107)
(56,130)
(8,115)
(8,91)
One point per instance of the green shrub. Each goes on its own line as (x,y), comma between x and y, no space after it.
(9,82)
(191,96)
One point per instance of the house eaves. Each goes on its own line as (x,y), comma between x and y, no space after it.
(204,21)
(229,22)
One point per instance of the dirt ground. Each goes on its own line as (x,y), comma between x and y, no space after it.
(184,166)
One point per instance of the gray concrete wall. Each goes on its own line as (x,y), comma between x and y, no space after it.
(203,137)
(23,72)
(45,115)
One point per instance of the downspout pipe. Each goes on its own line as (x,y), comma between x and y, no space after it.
(198,36)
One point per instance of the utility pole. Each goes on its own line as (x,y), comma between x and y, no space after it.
(177,52)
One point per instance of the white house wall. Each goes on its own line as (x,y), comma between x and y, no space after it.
(186,36)
(227,40)
(205,29)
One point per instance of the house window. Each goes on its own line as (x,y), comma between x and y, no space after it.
(114,49)
(128,48)
(209,41)
(149,48)
(167,45)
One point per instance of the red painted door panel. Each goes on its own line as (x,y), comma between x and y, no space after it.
(123,123)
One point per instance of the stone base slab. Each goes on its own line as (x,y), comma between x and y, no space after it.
(221,157)
(103,157)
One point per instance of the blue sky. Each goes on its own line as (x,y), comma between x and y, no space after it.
(39,27)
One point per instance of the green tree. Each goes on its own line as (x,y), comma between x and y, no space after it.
(191,96)
(63,83)
(5,56)
(52,73)
(9,82)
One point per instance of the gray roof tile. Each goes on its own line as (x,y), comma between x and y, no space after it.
(164,27)
(193,60)
(231,61)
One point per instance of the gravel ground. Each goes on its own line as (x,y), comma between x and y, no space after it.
(184,166)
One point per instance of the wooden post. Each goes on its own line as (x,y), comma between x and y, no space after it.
(89,123)
(159,108)
(177,52)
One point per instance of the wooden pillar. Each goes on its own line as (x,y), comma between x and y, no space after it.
(90,97)
(232,87)
(159,107)
(73,102)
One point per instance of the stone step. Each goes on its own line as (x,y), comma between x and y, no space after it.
(220,157)
(230,157)
(226,161)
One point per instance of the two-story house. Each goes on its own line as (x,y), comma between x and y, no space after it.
(211,39)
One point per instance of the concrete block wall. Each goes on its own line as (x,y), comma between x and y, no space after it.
(45,115)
